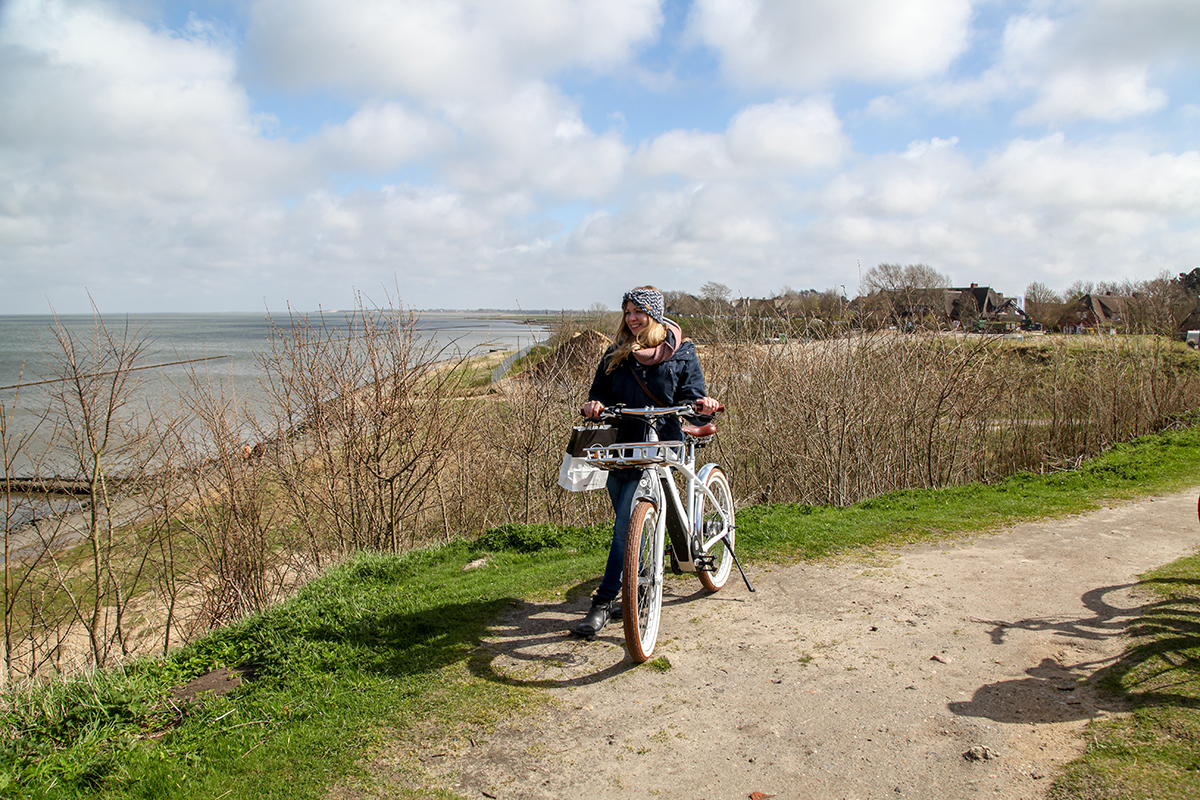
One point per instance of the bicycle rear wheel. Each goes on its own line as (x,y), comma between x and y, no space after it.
(642,582)
(713,523)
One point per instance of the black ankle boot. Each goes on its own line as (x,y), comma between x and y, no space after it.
(595,620)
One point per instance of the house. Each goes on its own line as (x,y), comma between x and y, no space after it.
(756,306)
(963,306)
(1095,312)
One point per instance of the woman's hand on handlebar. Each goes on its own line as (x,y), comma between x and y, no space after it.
(706,406)
(591,409)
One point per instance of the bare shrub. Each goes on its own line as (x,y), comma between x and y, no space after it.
(375,440)
(526,430)
(835,421)
(366,415)
(98,429)
(22,553)
(231,525)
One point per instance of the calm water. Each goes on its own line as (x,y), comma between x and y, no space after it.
(232,341)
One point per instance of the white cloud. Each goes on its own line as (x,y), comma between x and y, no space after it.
(439,49)
(152,177)
(1091,63)
(692,154)
(77,73)
(1110,94)
(136,156)
(899,187)
(1059,178)
(133,161)
(885,107)
(811,44)
(381,136)
(1033,210)
(797,136)
(535,140)
(778,139)
(1084,61)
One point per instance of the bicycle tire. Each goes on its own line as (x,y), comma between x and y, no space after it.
(642,582)
(711,521)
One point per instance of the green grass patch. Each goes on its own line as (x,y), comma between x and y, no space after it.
(1155,751)
(535,356)
(660,664)
(376,644)
(475,373)
(1159,463)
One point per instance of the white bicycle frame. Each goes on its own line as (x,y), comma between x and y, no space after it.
(659,460)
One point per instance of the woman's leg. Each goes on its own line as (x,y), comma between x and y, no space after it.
(622,489)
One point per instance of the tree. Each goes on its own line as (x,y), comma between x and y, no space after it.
(92,404)
(907,278)
(1159,305)
(1043,304)
(1190,282)
(901,293)
(1077,290)
(715,292)
(716,297)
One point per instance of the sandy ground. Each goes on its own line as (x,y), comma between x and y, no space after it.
(839,680)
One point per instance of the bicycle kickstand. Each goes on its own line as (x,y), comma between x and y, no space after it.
(733,553)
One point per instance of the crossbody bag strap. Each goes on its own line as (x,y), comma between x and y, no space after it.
(646,388)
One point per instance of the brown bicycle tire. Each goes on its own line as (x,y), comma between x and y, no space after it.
(641,602)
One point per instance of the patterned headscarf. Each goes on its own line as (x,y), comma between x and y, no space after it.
(647,300)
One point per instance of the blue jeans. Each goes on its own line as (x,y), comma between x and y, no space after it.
(622,490)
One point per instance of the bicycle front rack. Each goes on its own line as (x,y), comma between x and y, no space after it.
(635,454)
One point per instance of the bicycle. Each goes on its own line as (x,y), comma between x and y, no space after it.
(700,525)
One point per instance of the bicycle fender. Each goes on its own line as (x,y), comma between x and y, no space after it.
(702,478)
(702,473)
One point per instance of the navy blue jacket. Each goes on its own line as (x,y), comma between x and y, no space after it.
(676,381)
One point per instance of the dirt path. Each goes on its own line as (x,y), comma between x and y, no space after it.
(846,680)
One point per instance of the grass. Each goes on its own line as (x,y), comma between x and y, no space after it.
(385,649)
(1155,751)
(1159,463)
(535,356)
(474,375)
(378,643)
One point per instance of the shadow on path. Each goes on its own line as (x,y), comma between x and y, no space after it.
(532,645)
(1161,657)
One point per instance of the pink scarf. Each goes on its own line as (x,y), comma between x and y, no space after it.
(649,356)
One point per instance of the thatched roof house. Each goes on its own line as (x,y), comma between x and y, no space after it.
(1095,311)
(963,305)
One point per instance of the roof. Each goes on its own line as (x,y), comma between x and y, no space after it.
(1096,309)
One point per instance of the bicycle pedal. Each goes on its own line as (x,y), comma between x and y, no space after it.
(706,563)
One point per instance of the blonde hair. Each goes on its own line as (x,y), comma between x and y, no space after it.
(654,334)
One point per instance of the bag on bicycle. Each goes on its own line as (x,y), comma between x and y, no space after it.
(584,436)
(575,474)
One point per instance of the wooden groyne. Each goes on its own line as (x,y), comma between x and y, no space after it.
(52,485)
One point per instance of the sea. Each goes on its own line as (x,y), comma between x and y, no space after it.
(223,347)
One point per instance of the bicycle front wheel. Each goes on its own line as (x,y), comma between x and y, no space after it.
(715,519)
(642,582)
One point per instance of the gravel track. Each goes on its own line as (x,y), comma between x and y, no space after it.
(949,670)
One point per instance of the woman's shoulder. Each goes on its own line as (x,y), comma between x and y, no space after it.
(686,350)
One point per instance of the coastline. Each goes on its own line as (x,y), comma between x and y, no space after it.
(231,343)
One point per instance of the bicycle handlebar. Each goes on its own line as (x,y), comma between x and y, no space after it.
(612,412)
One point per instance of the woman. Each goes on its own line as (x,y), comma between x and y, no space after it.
(649,364)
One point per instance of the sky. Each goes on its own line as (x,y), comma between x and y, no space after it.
(215,155)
